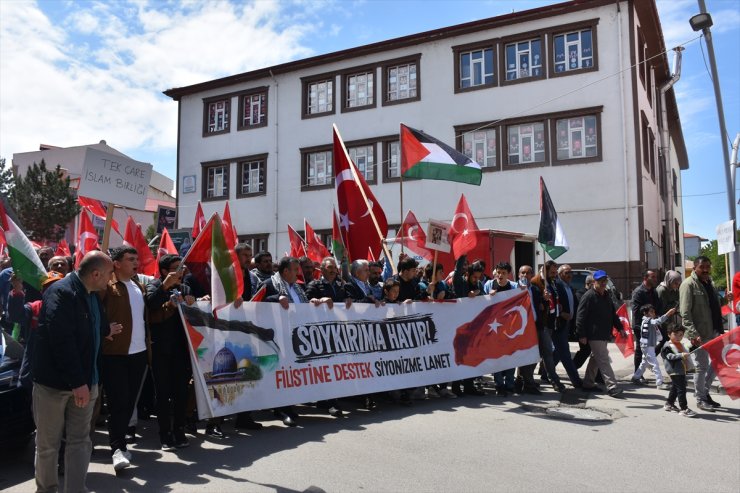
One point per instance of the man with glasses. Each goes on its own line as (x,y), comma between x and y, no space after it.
(594,321)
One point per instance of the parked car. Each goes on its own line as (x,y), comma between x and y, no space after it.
(16,418)
(579,281)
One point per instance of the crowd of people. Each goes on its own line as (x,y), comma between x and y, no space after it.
(100,333)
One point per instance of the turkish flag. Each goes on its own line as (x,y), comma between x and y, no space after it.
(62,249)
(135,238)
(95,207)
(463,229)
(413,237)
(166,246)
(315,248)
(499,330)
(87,241)
(356,214)
(200,221)
(724,353)
(297,245)
(228,226)
(625,344)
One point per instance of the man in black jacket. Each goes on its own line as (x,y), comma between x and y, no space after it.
(594,321)
(643,294)
(329,288)
(65,368)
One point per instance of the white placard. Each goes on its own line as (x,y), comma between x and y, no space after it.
(726,237)
(115,179)
(437,236)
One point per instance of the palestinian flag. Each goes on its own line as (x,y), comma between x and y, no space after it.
(211,247)
(26,263)
(423,156)
(551,235)
(337,245)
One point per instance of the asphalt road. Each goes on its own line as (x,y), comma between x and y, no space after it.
(470,444)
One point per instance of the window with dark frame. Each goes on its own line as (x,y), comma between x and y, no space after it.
(651,148)
(479,143)
(645,143)
(217,116)
(216,181)
(359,89)
(318,96)
(258,242)
(401,83)
(364,158)
(318,171)
(526,143)
(523,59)
(477,68)
(641,49)
(662,177)
(576,137)
(675,187)
(253,109)
(574,50)
(251,176)
(392,161)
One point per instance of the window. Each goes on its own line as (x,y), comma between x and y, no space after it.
(258,242)
(392,161)
(576,137)
(364,158)
(651,144)
(574,49)
(359,89)
(253,109)
(318,96)
(641,49)
(216,181)
(317,171)
(645,143)
(523,59)
(526,143)
(675,187)
(479,143)
(251,176)
(475,65)
(217,115)
(401,81)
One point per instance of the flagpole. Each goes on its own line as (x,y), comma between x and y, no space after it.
(401,190)
(106,229)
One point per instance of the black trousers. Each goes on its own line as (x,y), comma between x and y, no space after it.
(638,350)
(583,353)
(122,376)
(678,390)
(171,376)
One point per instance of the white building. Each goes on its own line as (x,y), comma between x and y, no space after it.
(545,92)
(72,160)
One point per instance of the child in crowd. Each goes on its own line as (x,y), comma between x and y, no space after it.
(650,336)
(678,363)
(391,289)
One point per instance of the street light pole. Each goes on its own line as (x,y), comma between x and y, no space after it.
(723,134)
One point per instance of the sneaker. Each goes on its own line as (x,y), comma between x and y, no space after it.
(614,391)
(127,454)
(119,460)
(168,443)
(687,413)
(711,402)
(637,381)
(432,392)
(447,393)
(180,440)
(335,411)
(705,406)
(664,386)
(671,408)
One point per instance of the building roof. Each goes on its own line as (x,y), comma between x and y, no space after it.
(689,235)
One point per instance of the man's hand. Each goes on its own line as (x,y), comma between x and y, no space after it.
(378,304)
(189,300)
(115,329)
(284,302)
(474,293)
(408,301)
(583,340)
(492,292)
(81,395)
(172,280)
(671,312)
(696,341)
(347,302)
(238,302)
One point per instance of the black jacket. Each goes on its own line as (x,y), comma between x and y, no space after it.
(321,288)
(165,325)
(64,344)
(596,316)
(641,297)
(563,288)
(357,294)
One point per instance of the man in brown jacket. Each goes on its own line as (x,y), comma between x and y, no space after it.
(124,357)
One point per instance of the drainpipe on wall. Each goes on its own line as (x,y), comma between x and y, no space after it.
(665,148)
(277,161)
(625,157)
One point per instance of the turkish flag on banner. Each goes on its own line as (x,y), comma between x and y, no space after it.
(413,237)
(62,249)
(199,222)
(356,223)
(87,241)
(626,344)
(462,229)
(315,248)
(135,238)
(724,352)
(501,330)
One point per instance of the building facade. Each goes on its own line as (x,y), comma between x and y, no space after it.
(569,92)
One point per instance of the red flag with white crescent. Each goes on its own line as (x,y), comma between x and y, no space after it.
(724,353)
(463,229)
(413,237)
(315,248)
(166,246)
(62,249)
(199,222)
(626,344)
(500,330)
(87,240)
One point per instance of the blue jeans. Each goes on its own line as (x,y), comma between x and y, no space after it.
(562,355)
(504,379)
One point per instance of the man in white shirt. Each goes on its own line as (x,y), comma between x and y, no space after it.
(125,358)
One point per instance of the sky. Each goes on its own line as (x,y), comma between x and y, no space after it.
(77,72)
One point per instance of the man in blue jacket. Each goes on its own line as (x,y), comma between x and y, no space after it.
(65,369)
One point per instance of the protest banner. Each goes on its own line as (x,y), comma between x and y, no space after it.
(261,356)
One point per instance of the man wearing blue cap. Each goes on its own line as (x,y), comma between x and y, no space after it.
(594,321)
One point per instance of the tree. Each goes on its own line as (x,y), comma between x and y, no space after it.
(7,182)
(44,202)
